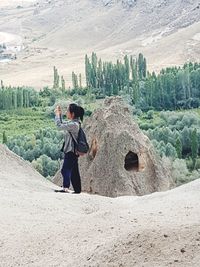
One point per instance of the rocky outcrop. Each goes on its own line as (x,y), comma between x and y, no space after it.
(121,160)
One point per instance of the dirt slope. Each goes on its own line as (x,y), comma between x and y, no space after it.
(42,228)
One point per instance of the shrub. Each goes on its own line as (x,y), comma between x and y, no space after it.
(197,164)
(4,117)
(180,172)
(189,163)
(145,126)
(150,114)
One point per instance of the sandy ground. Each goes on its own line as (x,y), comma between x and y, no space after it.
(166,33)
(42,228)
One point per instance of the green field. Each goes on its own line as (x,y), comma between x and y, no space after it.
(26,121)
(23,122)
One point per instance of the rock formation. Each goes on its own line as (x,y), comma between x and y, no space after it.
(121,160)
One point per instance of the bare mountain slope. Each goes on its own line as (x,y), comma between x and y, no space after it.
(42,228)
(59,32)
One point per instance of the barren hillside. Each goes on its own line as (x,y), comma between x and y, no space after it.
(42,228)
(60,32)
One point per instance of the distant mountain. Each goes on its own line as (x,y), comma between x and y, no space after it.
(58,32)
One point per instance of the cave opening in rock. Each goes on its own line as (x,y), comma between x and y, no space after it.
(131,162)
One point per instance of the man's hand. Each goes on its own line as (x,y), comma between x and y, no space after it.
(58,111)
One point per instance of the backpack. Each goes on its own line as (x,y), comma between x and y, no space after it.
(81,146)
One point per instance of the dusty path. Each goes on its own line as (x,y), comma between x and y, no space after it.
(42,228)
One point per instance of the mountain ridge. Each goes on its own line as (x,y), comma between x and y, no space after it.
(166,32)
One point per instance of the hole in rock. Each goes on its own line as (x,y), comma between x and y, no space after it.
(131,162)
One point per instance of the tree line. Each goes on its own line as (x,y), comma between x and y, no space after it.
(171,89)
(107,78)
(20,97)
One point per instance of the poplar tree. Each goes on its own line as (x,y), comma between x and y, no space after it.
(56,80)
(194,146)
(140,66)
(80,80)
(4,138)
(74,81)
(179,147)
(62,84)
